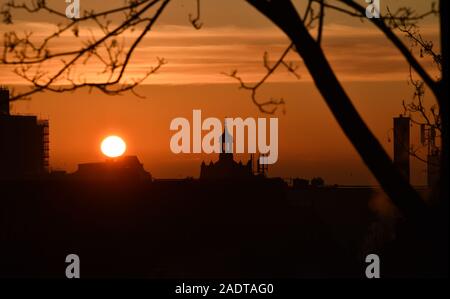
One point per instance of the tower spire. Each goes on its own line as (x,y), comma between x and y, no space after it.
(226,141)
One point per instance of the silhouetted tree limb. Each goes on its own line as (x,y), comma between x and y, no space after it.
(430,117)
(195,21)
(271,105)
(321,20)
(386,24)
(404,16)
(30,56)
(284,15)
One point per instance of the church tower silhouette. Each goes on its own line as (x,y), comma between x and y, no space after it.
(226,144)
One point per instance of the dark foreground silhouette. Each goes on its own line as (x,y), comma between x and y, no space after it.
(190,229)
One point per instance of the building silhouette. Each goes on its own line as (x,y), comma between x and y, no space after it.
(428,138)
(127,168)
(24,143)
(226,167)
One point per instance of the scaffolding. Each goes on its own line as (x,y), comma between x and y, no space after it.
(428,138)
(45,145)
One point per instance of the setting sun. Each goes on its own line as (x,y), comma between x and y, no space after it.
(113,146)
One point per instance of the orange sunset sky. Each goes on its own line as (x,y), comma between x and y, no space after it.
(234,36)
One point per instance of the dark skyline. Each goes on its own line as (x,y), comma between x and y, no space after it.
(370,68)
(104,149)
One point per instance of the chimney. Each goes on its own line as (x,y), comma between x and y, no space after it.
(4,101)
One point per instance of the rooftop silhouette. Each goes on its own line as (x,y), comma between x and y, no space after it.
(24,143)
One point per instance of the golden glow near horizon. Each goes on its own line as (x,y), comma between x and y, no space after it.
(113,146)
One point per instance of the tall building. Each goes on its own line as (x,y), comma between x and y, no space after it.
(428,138)
(24,143)
(401,145)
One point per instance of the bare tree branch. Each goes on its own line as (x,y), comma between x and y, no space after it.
(283,14)
(386,24)
(270,106)
(195,21)
(30,57)
(321,20)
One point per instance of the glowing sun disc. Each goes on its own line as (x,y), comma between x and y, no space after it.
(113,146)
